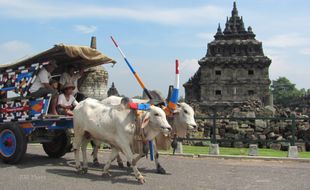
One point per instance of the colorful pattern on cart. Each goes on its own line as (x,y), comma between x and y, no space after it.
(22,110)
(18,79)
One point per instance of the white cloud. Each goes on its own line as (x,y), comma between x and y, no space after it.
(35,9)
(305,51)
(279,66)
(14,50)
(189,65)
(85,29)
(288,40)
(188,68)
(285,65)
(14,46)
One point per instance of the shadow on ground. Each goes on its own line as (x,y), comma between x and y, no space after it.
(34,160)
(119,175)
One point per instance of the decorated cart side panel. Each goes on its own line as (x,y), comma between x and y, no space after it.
(22,110)
(19,81)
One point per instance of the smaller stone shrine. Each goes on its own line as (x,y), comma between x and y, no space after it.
(113,91)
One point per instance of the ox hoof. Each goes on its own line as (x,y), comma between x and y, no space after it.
(96,163)
(161,170)
(106,174)
(79,171)
(128,165)
(120,164)
(141,180)
(82,171)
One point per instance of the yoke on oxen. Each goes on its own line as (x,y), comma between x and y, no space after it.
(140,145)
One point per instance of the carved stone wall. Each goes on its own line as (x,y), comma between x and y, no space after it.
(94,84)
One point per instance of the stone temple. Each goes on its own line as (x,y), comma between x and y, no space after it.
(233,70)
(94,83)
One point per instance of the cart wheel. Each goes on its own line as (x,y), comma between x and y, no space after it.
(13,143)
(59,146)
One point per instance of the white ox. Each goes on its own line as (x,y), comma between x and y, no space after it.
(116,126)
(182,121)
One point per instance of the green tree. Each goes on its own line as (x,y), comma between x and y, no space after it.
(284,91)
(137,97)
(304,91)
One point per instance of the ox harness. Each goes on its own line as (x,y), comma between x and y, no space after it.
(140,143)
(170,116)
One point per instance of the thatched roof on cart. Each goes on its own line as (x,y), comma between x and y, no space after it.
(81,56)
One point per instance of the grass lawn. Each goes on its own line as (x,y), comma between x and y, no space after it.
(240,151)
(237,151)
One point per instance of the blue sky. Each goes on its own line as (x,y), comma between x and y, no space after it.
(154,33)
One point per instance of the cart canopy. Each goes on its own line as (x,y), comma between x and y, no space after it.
(81,56)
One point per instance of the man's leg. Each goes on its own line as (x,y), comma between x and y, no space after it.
(43,92)
(53,104)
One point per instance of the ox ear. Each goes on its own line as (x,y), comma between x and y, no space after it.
(146,120)
(176,111)
(124,102)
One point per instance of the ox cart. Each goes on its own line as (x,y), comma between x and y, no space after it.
(25,119)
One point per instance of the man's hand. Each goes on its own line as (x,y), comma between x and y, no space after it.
(47,85)
(68,107)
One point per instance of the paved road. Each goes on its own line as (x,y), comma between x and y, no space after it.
(38,172)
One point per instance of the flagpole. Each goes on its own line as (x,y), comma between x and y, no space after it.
(132,70)
(175,93)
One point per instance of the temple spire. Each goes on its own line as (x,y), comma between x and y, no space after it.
(234,27)
(234,12)
(235,30)
(227,27)
(250,30)
(242,29)
(219,32)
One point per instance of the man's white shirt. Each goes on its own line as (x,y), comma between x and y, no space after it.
(63,101)
(42,77)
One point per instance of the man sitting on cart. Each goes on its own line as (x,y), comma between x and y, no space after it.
(41,86)
(72,76)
